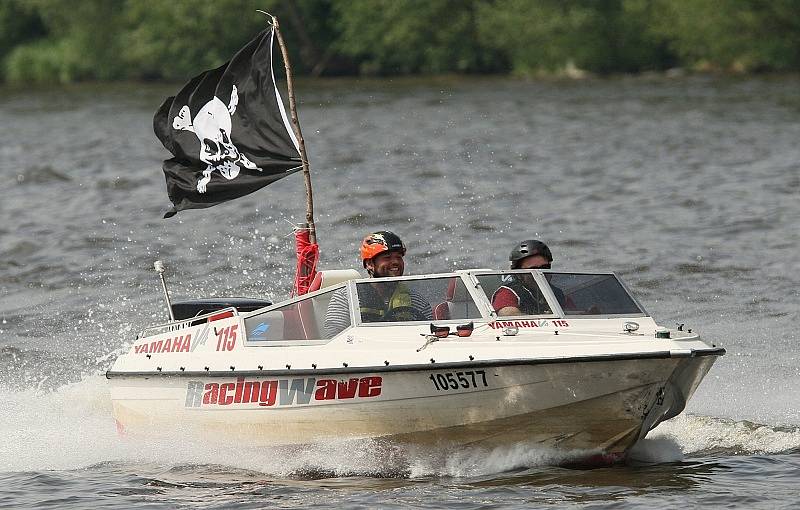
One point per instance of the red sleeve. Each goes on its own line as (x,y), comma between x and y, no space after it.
(504,297)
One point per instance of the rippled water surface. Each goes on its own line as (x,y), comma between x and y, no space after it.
(689,188)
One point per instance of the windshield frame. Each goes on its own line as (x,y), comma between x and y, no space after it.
(547,291)
(288,302)
(469,278)
(541,282)
(481,303)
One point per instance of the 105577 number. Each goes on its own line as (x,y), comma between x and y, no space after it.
(456,380)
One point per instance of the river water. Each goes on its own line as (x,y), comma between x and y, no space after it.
(687,187)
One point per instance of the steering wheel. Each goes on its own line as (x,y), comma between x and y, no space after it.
(401,313)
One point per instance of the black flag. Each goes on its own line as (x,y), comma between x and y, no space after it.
(227,130)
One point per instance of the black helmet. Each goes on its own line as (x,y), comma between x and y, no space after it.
(379,242)
(528,248)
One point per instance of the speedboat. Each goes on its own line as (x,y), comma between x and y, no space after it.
(588,370)
(583,368)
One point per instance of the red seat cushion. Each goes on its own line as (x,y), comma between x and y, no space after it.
(442,311)
(223,315)
(316,283)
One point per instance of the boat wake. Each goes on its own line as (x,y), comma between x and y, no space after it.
(705,435)
(72,428)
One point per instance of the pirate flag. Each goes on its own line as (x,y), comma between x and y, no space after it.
(227,131)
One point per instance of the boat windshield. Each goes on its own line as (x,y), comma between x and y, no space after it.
(427,299)
(591,294)
(515,294)
(519,293)
(301,320)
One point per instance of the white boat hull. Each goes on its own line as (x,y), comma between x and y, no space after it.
(603,406)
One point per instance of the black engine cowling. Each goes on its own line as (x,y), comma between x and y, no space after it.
(192,308)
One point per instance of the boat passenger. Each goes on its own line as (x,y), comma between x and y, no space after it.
(521,296)
(382,256)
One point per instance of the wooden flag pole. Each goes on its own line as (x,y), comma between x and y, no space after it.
(312,231)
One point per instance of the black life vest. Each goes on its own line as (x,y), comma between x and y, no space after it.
(530,302)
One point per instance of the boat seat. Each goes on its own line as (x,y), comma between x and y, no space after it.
(441,312)
(458,304)
(305,319)
(324,279)
(490,284)
(299,323)
(331,277)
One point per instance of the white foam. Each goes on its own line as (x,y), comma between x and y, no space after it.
(656,450)
(69,428)
(477,461)
(700,433)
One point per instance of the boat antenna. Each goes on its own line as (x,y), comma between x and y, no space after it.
(159,267)
(312,231)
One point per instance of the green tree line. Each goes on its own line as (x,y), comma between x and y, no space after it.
(45,41)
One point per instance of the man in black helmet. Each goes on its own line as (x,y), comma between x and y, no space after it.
(531,254)
(521,295)
(382,255)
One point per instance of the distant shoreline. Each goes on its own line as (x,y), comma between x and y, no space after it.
(430,79)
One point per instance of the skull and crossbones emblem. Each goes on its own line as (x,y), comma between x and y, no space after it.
(212,126)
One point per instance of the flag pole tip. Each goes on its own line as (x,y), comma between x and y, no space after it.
(265,13)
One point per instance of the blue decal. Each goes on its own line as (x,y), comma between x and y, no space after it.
(259,332)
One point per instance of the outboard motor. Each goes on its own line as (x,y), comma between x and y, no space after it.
(181,310)
(192,308)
